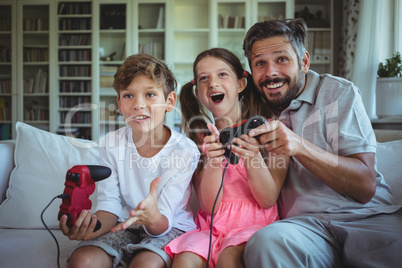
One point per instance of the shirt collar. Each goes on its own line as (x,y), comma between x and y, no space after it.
(309,92)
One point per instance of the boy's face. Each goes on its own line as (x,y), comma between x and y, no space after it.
(143,105)
(276,72)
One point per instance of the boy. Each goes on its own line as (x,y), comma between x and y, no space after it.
(150,185)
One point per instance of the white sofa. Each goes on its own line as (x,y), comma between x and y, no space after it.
(32,172)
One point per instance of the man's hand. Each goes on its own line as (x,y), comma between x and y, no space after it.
(278,139)
(146,212)
(330,168)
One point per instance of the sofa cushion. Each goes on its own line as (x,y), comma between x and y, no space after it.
(41,161)
(389,156)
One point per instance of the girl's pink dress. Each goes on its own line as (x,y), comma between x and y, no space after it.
(238,217)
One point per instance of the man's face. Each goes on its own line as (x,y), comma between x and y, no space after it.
(276,71)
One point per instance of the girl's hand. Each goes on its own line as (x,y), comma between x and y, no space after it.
(246,147)
(213,148)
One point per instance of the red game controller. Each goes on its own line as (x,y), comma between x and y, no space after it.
(79,185)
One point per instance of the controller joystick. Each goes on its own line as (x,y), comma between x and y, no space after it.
(79,185)
(227,134)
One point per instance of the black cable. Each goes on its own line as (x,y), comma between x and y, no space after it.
(216,199)
(47,228)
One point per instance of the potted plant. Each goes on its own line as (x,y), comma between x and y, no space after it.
(389,87)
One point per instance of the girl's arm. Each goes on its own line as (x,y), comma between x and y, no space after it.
(265,176)
(208,180)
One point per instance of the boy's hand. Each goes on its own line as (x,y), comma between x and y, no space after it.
(146,212)
(82,228)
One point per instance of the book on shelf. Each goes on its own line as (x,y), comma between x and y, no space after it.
(160,24)
(326,46)
(5,54)
(231,22)
(5,24)
(61,8)
(38,77)
(106,81)
(5,131)
(152,48)
(37,113)
(107,70)
(72,132)
(43,83)
(322,46)
(5,109)
(76,118)
(36,84)
(123,51)
(5,85)
(310,43)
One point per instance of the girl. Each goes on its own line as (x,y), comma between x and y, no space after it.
(247,201)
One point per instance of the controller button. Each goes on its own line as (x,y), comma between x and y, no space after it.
(68,218)
(75,177)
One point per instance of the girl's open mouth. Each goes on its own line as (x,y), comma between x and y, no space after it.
(217,97)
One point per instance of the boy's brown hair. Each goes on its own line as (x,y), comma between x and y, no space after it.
(143,64)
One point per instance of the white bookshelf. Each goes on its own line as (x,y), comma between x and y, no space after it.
(175,31)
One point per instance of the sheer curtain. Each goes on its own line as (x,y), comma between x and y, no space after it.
(378,37)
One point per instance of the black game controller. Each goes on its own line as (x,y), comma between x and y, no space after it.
(227,134)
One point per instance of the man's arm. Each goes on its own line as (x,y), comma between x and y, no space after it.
(352,176)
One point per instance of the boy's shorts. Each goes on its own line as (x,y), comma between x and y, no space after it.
(123,244)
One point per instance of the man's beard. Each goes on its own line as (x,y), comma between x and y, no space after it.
(276,100)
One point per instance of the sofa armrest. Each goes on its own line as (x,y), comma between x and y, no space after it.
(6,165)
(384,135)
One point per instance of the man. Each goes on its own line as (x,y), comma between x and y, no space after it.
(336,209)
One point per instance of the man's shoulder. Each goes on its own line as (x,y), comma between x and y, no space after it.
(314,79)
(329,78)
(331,86)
